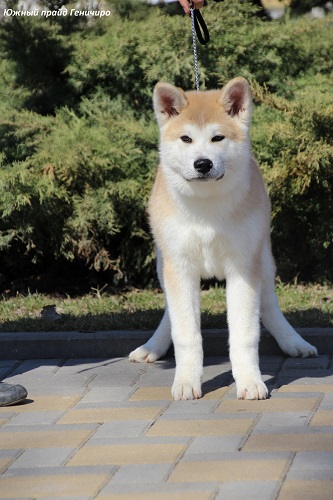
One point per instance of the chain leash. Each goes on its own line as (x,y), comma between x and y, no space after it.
(200,30)
(195,54)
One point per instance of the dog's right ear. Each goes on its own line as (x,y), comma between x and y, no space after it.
(168,101)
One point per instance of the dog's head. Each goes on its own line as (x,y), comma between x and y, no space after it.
(203,134)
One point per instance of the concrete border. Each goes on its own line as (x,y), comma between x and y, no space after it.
(119,343)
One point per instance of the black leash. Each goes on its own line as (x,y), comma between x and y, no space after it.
(199,25)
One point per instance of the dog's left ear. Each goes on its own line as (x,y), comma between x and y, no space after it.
(236,98)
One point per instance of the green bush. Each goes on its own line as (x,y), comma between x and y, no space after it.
(78,138)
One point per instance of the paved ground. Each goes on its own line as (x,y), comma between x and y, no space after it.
(107,428)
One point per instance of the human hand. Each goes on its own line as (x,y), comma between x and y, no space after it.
(186,4)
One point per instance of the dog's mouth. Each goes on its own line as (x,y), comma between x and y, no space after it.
(205,178)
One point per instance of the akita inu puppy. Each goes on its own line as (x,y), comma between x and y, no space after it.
(210,217)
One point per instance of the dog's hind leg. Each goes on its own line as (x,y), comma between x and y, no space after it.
(158,345)
(288,339)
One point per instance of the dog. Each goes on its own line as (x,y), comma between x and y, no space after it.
(210,217)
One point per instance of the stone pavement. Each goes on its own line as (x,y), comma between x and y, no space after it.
(108,429)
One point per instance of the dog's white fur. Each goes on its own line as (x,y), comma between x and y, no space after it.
(213,223)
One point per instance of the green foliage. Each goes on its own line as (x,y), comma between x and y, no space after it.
(300,178)
(78,139)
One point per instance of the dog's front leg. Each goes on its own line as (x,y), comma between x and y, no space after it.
(243,304)
(182,288)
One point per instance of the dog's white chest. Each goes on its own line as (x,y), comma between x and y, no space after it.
(212,255)
(204,248)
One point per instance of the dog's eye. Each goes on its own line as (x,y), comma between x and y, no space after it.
(186,138)
(217,138)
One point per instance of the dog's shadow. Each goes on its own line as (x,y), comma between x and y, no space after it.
(273,369)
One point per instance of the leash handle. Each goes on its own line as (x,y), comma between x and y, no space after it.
(201,27)
(199,24)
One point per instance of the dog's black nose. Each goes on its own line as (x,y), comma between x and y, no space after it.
(203,165)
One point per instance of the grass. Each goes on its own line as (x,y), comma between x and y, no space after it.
(303,305)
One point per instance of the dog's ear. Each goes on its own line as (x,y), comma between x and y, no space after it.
(236,98)
(168,101)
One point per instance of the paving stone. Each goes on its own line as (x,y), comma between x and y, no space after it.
(107,414)
(46,438)
(157,375)
(186,416)
(142,473)
(304,380)
(106,394)
(5,463)
(327,402)
(57,486)
(39,366)
(36,418)
(120,428)
(239,456)
(79,366)
(281,419)
(268,405)
(190,407)
(214,378)
(108,470)
(214,393)
(51,388)
(290,441)
(75,497)
(235,470)
(43,403)
(323,417)
(8,453)
(144,445)
(72,380)
(202,427)
(306,490)
(312,465)
(120,454)
(249,490)
(119,373)
(213,444)
(43,457)
(6,416)
(276,394)
(155,393)
(181,491)
(308,386)
(129,405)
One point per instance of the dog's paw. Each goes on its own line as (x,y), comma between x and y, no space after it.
(186,386)
(252,390)
(143,355)
(186,390)
(297,347)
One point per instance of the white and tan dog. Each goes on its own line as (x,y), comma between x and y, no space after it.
(210,216)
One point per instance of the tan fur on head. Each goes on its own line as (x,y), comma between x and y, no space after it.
(234,98)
